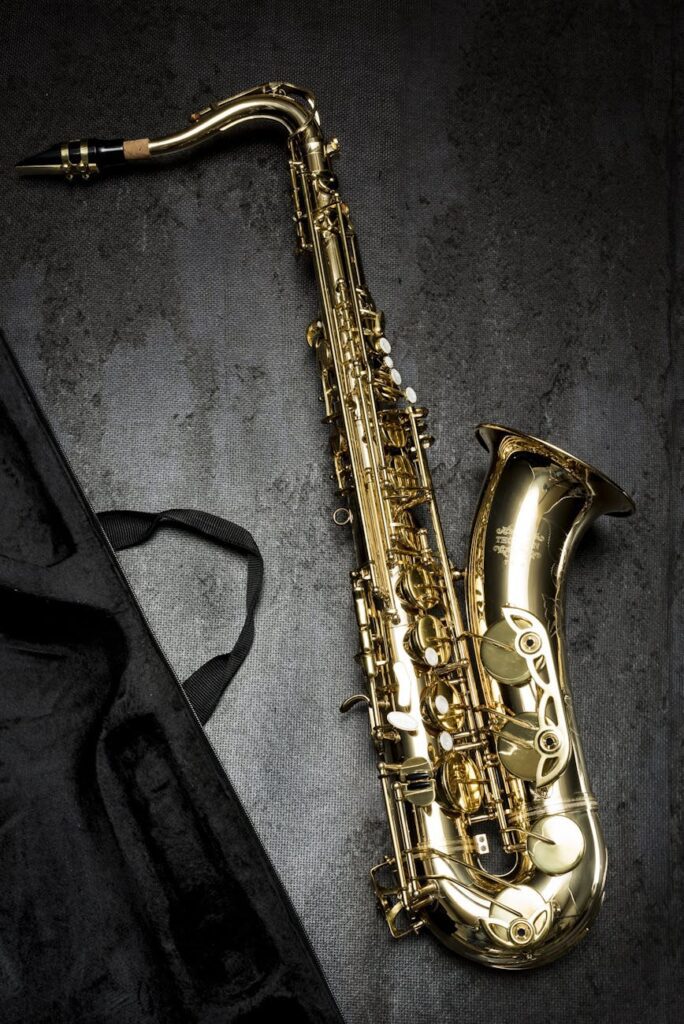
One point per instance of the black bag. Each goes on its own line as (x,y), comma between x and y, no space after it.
(133,887)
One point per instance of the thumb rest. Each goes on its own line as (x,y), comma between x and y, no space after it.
(471,716)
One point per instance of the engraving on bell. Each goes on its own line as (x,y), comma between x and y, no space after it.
(556,844)
(499,656)
(403,681)
(418,783)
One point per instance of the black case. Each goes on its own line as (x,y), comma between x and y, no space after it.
(133,887)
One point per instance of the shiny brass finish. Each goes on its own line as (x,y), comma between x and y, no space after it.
(500,657)
(463,784)
(417,587)
(471,716)
(428,641)
(516,746)
(557,844)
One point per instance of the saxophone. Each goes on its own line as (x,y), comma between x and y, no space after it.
(471,715)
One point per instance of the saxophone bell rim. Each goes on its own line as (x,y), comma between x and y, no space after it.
(617,501)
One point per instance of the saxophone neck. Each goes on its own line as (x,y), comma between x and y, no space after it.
(292,107)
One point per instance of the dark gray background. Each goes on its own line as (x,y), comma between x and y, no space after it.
(511,172)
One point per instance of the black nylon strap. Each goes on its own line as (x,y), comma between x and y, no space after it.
(126,528)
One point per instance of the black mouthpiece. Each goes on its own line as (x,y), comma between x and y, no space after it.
(79,159)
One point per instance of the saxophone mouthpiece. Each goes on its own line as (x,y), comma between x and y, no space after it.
(81,159)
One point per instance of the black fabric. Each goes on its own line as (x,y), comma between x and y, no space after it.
(126,528)
(133,886)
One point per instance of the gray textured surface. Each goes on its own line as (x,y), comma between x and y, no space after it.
(509,168)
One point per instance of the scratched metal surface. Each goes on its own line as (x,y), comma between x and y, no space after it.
(509,169)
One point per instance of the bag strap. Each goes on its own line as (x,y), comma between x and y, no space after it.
(125,529)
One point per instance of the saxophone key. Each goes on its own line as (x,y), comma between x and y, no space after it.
(315,333)
(403,722)
(418,588)
(355,700)
(428,641)
(500,657)
(441,705)
(393,429)
(403,687)
(518,916)
(416,782)
(441,708)
(555,844)
(462,783)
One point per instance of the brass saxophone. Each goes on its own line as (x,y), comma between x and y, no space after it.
(471,716)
